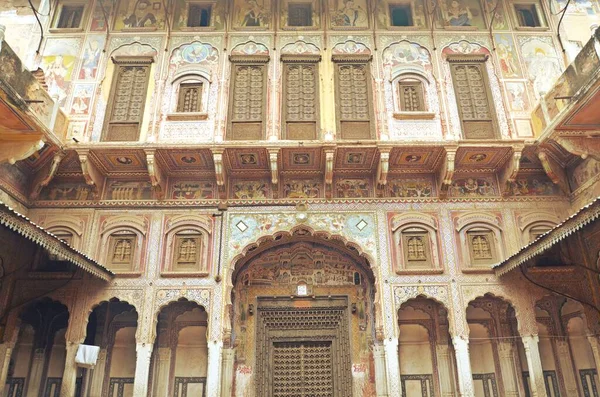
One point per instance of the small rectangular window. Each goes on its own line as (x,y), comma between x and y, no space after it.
(190,98)
(401,15)
(411,96)
(199,15)
(70,17)
(527,15)
(300,14)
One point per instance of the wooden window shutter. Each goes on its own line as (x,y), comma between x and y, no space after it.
(247,102)
(471,87)
(411,96)
(300,100)
(354,100)
(190,98)
(128,98)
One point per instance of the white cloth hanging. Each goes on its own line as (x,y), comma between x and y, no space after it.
(87,356)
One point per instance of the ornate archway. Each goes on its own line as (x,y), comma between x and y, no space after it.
(303,318)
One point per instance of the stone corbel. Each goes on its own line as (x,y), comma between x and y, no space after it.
(555,171)
(508,174)
(583,146)
(45,176)
(156,174)
(446,172)
(219,172)
(383,167)
(329,155)
(93,177)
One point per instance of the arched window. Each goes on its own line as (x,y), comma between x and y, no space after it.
(481,241)
(190,98)
(186,247)
(411,95)
(415,241)
(411,98)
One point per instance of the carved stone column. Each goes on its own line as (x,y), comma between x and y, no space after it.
(380,374)
(392,360)
(534,364)
(142,369)
(463,366)
(566,367)
(445,370)
(227,372)
(97,376)
(6,350)
(35,373)
(163,366)
(215,349)
(508,366)
(69,379)
(595,345)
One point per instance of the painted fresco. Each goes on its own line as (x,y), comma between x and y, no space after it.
(533,185)
(500,20)
(472,187)
(217,15)
(92,51)
(252,14)
(15,177)
(507,56)
(351,47)
(82,99)
(462,14)
(139,14)
(191,190)
(543,64)
(578,7)
(250,190)
(66,191)
(348,14)
(465,47)
(353,188)
(302,188)
(98,21)
(585,171)
(194,53)
(58,63)
(406,53)
(128,190)
(250,48)
(417,187)
(517,96)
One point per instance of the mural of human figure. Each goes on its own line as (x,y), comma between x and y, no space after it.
(507,60)
(350,15)
(91,58)
(458,14)
(56,76)
(253,15)
(141,15)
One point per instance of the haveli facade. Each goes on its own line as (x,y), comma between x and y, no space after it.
(300,198)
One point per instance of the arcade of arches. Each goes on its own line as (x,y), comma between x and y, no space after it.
(304,321)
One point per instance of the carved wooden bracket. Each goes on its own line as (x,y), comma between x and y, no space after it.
(43,178)
(583,146)
(93,177)
(220,173)
(273,156)
(219,169)
(329,155)
(446,172)
(383,167)
(13,151)
(555,171)
(157,175)
(508,174)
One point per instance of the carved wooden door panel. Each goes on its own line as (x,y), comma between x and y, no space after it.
(302,369)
